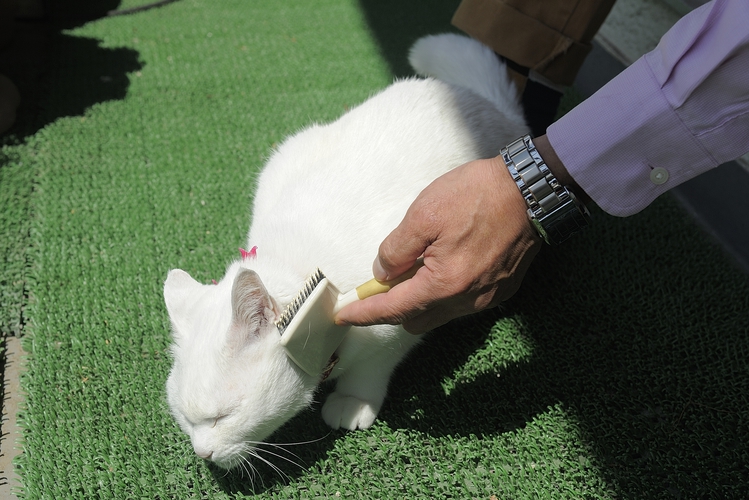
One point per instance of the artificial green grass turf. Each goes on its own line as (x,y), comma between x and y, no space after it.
(630,384)
(15,193)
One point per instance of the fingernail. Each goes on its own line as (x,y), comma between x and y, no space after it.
(339,322)
(378,271)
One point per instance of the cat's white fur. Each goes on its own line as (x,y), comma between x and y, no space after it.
(326,198)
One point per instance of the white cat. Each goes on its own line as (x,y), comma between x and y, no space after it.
(326,198)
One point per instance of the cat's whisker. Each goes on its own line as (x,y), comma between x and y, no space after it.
(246,466)
(298,443)
(251,470)
(272,466)
(277,455)
(256,445)
(250,452)
(226,473)
(279,448)
(255,474)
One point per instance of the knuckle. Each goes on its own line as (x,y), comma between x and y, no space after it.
(484,302)
(386,253)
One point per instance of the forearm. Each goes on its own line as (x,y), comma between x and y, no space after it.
(675,113)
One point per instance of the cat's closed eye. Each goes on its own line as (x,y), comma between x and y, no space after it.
(215,421)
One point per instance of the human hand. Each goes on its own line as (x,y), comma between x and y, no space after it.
(473,231)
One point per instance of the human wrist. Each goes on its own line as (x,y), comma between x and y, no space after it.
(553,208)
(557,168)
(514,205)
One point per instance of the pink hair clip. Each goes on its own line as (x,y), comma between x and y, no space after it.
(248,255)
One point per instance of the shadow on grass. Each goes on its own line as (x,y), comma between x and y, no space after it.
(59,74)
(282,463)
(641,330)
(646,350)
(396,25)
(645,346)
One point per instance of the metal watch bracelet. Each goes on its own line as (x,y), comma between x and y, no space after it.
(553,209)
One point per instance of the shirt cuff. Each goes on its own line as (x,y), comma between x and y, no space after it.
(625,145)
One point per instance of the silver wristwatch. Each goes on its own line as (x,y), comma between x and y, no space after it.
(552,208)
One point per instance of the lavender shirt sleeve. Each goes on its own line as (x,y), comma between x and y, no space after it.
(678,111)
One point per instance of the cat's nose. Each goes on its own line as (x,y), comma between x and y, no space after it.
(205,455)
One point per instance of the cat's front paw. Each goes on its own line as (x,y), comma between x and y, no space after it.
(348,412)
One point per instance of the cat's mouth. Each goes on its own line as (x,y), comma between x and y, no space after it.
(228,464)
(232,459)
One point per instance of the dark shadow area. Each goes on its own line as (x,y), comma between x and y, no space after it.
(74,13)
(58,74)
(646,345)
(645,349)
(640,327)
(395,25)
(643,346)
(93,75)
(658,381)
(718,200)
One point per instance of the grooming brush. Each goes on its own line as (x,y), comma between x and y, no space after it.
(308,331)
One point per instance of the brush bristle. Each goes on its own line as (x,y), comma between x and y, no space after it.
(296,304)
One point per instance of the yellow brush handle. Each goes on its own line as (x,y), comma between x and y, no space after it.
(374,286)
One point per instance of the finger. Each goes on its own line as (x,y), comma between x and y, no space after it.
(402,302)
(406,243)
(375,310)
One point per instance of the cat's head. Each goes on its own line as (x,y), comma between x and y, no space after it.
(231,385)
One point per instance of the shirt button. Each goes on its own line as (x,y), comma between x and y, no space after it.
(658,175)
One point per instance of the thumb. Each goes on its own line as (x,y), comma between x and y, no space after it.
(400,249)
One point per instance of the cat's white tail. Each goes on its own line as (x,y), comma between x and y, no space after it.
(465,62)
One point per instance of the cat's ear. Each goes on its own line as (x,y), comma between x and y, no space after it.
(180,291)
(253,309)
